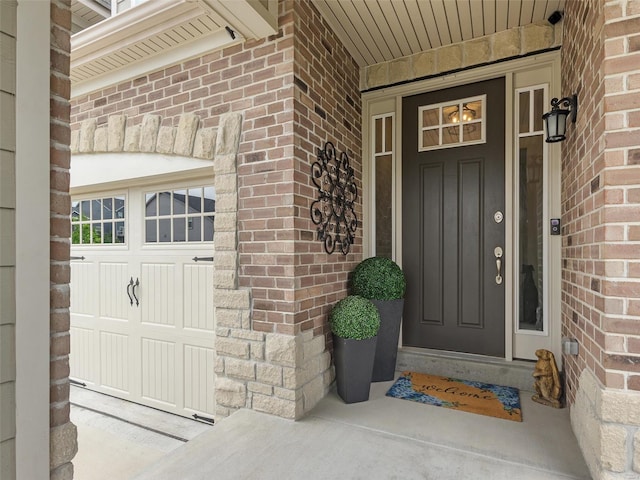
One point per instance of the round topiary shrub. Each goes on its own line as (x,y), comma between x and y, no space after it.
(378,278)
(354,317)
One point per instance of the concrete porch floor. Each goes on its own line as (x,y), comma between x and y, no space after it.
(384,438)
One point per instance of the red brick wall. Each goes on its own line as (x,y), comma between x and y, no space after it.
(296,90)
(327,108)
(600,180)
(60,227)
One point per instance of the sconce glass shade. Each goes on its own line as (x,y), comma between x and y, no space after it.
(556,120)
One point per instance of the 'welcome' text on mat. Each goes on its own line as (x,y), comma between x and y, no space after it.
(475,397)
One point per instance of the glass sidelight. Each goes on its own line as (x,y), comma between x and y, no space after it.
(383,171)
(531,174)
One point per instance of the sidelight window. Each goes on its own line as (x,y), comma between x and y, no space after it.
(531,211)
(383,126)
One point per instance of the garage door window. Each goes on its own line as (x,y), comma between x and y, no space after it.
(98,220)
(181,215)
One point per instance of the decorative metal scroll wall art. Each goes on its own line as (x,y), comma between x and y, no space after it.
(333,211)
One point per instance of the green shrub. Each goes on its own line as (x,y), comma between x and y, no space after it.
(354,317)
(378,278)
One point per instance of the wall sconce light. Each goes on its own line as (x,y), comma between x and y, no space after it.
(556,120)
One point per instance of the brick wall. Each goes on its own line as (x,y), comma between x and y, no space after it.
(63,433)
(601,256)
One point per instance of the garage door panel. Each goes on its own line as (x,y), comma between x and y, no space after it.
(81,359)
(199,379)
(114,300)
(84,278)
(159,367)
(198,297)
(158,297)
(115,361)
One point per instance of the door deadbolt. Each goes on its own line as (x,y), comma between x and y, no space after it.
(498,216)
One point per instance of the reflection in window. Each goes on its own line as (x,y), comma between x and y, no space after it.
(450,124)
(98,221)
(181,215)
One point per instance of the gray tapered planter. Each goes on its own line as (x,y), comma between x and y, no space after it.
(384,366)
(354,366)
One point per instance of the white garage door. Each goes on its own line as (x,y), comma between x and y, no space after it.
(142,317)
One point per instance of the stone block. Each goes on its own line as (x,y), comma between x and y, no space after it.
(536,37)
(274,406)
(287,394)
(204,143)
(558,34)
(449,58)
(244,369)
(223,412)
(228,318)
(255,387)
(270,374)
(87,135)
(63,444)
(166,138)
(149,133)
(186,134)
(223,164)
(505,44)
(312,393)
(63,472)
(618,406)
(282,350)
(424,64)
(226,241)
(226,260)
(132,139)
(219,366)
(636,452)
(400,70)
(223,332)
(226,183)
(377,75)
(614,447)
(237,299)
(225,279)
(586,426)
(257,350)
(246,319)
(116,126)
(75,138)
(232,347)
(226,222)
(228,136)
(226,202)
(477,51)
(230,393)
(100,141)
(248,335)
(314,347)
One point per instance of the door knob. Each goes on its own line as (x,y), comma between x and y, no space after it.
(498,254)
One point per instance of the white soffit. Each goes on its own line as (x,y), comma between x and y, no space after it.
(160,32)
(376,31)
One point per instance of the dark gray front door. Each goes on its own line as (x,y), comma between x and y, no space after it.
(450,233)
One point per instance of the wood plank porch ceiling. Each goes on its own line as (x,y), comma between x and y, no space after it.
(376,31)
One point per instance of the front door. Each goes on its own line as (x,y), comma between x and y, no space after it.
(453,172)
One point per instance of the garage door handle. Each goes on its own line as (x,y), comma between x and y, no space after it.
(129,285)
(137,284)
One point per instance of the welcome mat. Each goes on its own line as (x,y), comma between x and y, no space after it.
(475,397)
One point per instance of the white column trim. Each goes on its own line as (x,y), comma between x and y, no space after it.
(32,239)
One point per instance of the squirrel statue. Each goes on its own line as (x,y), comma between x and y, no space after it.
(547,384)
